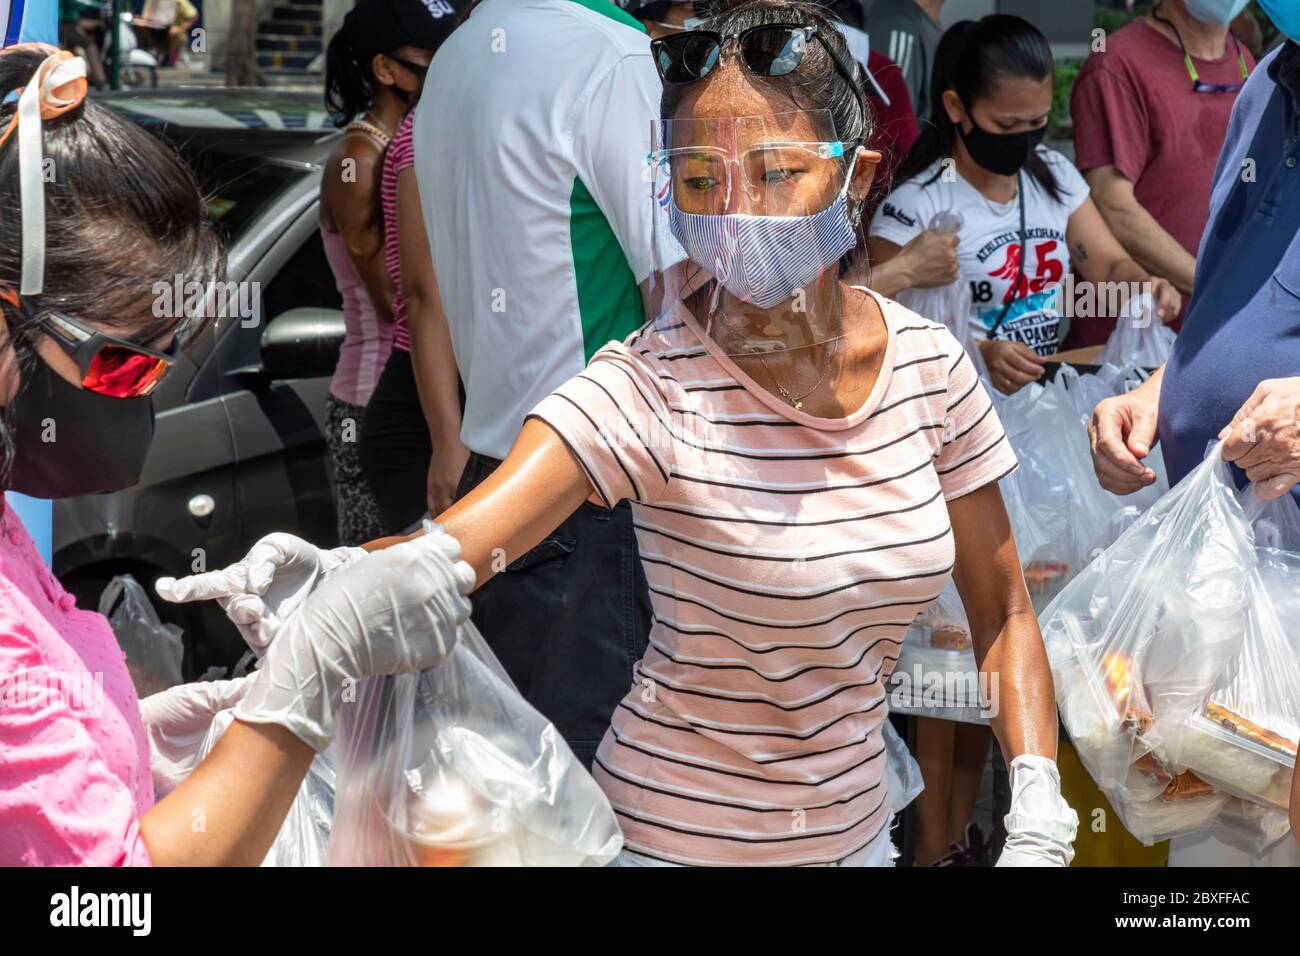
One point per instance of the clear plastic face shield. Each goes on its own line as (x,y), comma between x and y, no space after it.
(762,207)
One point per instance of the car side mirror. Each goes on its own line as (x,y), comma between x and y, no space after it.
(302,343)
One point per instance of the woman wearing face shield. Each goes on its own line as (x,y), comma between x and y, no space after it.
(1024,213)
(808,465)
(85,339)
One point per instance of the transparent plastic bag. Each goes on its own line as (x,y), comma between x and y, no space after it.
(451,767)
(949,304)
(1140,339)
(154,650)
(905,783)
(946,621)
(1177,670)
(304,836)
(1062,507)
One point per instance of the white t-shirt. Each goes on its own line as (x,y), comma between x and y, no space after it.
(530,144)
(988,251)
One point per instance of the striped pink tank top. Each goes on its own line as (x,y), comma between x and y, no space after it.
(367,340)
(399,156)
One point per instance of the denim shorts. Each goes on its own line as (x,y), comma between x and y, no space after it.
(569,619)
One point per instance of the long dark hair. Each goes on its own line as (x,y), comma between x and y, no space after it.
(122,212)
(972,58)
(349,80)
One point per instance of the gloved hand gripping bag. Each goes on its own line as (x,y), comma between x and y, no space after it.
(1174,655)
(452,767)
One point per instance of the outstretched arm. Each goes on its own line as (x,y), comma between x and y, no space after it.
(538,485)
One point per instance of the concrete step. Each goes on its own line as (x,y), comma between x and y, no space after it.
(288,44)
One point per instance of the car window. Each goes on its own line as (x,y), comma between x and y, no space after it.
(305,280)
(237,185)
(238,173)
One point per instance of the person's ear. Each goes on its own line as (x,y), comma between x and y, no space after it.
(863,173)
(383,69)
(955,108)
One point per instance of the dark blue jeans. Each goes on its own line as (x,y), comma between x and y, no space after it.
(569,618)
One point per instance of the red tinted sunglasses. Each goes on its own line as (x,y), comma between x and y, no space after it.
(108,365)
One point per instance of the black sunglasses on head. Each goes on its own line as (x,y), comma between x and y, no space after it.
(771,49)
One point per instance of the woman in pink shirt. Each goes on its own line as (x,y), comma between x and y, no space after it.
(82,344)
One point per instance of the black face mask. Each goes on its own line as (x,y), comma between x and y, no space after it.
(419,71)
(99,442)
(1001,153)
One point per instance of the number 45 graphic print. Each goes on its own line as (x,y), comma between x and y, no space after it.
(1050,271)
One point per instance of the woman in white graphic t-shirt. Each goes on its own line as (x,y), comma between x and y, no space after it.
(1021,211)
(1023,220)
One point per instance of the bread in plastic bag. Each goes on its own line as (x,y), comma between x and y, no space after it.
(1176,659)
(1140,339)
(452,767)
(154,650)
(945,621)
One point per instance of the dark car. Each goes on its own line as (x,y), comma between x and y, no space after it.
(239,450)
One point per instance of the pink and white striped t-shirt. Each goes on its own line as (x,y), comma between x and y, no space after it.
(400,155)
(786,556)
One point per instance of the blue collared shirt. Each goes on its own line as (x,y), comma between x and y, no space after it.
(1243,323)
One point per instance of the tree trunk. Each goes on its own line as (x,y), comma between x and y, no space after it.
(241,66)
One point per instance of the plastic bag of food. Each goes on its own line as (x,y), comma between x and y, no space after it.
(154,650)
(452,767)
(1176,666)
(945,621)
(304,836)
(1140,339)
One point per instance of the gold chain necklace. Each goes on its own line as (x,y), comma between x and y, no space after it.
(796,401)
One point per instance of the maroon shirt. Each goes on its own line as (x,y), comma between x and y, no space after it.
(1134,108)
(896,130)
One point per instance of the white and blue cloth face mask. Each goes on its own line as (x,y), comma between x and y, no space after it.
(765,260)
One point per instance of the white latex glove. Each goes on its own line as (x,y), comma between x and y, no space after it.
(1041,825)
(396,611)
(264,589)
(178,719)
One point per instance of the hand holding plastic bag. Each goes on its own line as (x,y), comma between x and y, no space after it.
(1176,658)
(452,767)
(395,611)
(951,303)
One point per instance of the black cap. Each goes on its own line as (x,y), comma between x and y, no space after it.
(381,26)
